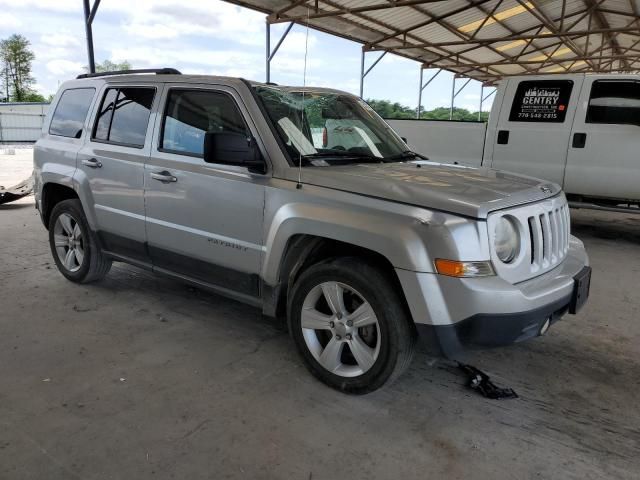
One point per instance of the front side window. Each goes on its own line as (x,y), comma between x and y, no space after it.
(190,114)
(542,101)
(123,117)
(71,112)
(614,101)
(321,128)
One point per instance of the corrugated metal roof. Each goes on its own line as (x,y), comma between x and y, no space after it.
(481,39)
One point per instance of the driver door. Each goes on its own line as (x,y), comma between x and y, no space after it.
(204,220)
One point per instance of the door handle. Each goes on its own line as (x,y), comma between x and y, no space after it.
(503,137)
(92,162)
(579,140)
(164,177)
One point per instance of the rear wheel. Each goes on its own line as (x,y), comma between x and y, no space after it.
(350,325)
(73,244)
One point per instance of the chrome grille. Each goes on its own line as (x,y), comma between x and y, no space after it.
(544,229)
(549,235)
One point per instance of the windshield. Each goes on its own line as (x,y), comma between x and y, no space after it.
(324,128)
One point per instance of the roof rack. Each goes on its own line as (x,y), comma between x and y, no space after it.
(157,71)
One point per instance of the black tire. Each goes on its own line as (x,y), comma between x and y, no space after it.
(397,334)
(95,265)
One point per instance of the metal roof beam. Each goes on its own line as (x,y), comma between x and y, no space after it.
(602,21)
(543,63)
(429,22)
(484,42)
(350,11)
(540,14)
(455,31)
(387,27)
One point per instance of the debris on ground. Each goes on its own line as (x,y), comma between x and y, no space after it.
(480,381)
(17,191)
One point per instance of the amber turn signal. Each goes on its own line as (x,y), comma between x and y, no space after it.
(456,268)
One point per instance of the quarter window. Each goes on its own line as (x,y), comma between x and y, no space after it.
(71,112)
(190,114)
(541,101)
(615,102)
(123,117)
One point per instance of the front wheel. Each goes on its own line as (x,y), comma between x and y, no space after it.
(73,244)
(350,326)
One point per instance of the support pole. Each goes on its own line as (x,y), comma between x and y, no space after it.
(453,96)
(6,80)
(362,73)
(481,100)
(420,92)
(268,53)
(271,54)
(422,87)
(486,97)
(88,20)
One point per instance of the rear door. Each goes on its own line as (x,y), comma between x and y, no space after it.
(533,129)
(204,220)
(604,155)
(112,162)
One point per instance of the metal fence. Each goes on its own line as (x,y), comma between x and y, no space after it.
(21,123)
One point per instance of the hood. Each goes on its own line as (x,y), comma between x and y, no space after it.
(468,191)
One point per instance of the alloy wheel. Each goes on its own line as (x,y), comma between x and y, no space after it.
(69,243)
(340,329)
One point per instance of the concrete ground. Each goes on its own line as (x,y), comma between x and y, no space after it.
(141,377)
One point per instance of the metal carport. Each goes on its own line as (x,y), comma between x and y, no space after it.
(485,40)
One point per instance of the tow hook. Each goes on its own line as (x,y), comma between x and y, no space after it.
(480,381)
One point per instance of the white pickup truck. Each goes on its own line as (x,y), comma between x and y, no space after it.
(581,131)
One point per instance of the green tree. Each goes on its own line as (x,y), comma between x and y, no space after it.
(387,109)
(16,58)
(35,97)
(109,66)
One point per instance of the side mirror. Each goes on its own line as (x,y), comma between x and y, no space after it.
(231,148)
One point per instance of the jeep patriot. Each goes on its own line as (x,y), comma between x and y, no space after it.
(303,202)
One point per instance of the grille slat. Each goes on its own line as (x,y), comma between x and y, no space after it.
(546,237)
(549,236)
(545,228)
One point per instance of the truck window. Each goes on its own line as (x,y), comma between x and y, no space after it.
(124,116)
(192,113)
(71,112)
(541,101)
(614,101)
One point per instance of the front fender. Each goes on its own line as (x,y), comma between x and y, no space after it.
(402,249)
(409,237)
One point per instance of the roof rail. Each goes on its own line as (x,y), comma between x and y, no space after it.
(157,71)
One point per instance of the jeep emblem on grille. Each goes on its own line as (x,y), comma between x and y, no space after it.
(545,189)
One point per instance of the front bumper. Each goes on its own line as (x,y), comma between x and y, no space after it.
(453,314)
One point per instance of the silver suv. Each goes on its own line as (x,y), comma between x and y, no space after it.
(365,247)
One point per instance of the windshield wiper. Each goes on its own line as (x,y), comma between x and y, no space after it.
(343,155)
(406,155)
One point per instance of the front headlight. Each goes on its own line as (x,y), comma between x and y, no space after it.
(507,240)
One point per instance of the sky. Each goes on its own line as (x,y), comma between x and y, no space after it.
(210,37)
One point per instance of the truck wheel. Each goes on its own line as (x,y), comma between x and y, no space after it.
(73,244)
(350,326)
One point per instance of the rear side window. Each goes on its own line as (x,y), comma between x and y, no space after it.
(541,101)
(192,113)
(124,116)
(71,112)
(614,102)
